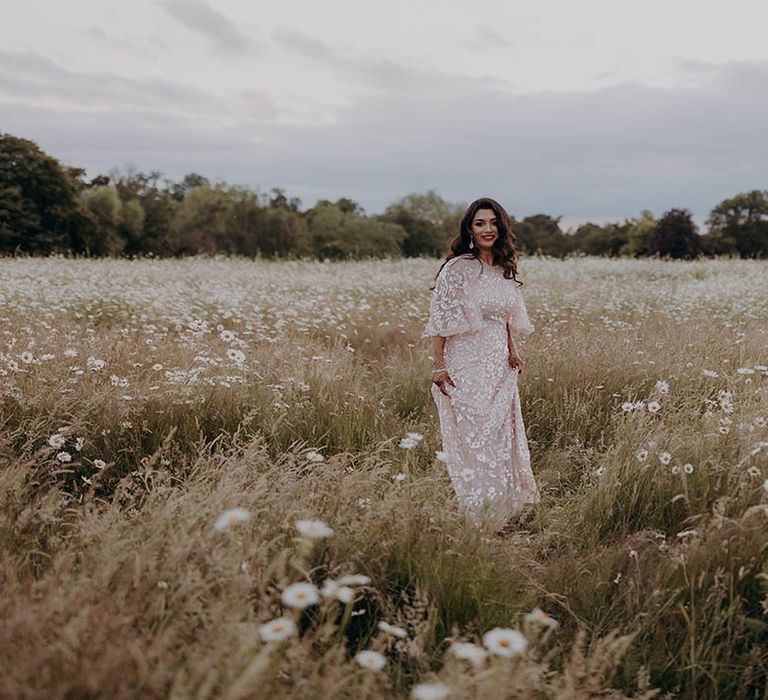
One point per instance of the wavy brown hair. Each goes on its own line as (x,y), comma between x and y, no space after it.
(504,249)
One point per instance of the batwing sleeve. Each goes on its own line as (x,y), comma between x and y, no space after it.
(453,309)
(518,318)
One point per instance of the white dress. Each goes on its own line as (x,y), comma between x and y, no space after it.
(484,439)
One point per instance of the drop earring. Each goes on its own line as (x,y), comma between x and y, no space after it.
(471,242)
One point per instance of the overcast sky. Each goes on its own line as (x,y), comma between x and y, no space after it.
(594,109)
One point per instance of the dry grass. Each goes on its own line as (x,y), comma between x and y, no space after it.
(117,584)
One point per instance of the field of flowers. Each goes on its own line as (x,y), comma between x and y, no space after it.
(219,479)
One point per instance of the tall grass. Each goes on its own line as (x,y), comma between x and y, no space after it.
(649,547)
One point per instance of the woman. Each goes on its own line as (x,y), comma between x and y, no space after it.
(476,315)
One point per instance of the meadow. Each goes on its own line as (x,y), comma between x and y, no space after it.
(209,490)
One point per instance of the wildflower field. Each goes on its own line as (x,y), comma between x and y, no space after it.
(220,479)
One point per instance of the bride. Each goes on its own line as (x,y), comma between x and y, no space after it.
(477,315)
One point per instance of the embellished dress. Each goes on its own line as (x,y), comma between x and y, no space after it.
(484,439)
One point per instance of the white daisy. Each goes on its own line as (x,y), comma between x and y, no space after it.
(654,407)
(627,406)
(688,468)
(411,440)
(314,456)
(278,629)
(231,517)
(662,387)
(314,529)
(430,691)
(505,642)
(99,463)
(473,653)
(641,455)
(394,630)
(538,616)
(235,355)
(27,357)
(333,589)
(57,441)
(665,457)
(371,660)
(300,595)
(64,456)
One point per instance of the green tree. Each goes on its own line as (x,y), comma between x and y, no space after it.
(39,207)
(675,235)
(179,190)
(607,240)
(158,206)
(201,221)
(284,234)
(279,200)
(106,210)
(739,225)
(639,234)
(541,234)
(340,235)
(429,222)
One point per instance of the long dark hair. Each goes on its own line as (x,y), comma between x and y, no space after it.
(504,249)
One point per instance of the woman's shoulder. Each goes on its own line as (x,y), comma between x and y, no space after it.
(462,263)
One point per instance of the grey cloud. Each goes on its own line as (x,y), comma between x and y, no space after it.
(128,45)
(373,73)
(38,80)
(603,154)
(221,33)
(490,38)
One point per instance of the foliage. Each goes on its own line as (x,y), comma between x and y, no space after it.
(739,225)
(46,208)
(428,220)
(675,236)
(541,234)
(340,233)
(638,236)
(39,209)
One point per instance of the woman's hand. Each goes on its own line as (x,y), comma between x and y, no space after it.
(515,361)
(441,379)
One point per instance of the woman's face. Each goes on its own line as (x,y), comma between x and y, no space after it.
(484,231)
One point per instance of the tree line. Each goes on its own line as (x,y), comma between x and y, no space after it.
(48,208)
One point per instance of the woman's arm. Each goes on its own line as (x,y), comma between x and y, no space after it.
(440,374)
(515,361)
(438,352)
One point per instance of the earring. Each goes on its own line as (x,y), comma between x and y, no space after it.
(471,242)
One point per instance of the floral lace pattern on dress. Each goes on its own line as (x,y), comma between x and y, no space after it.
(481,423)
